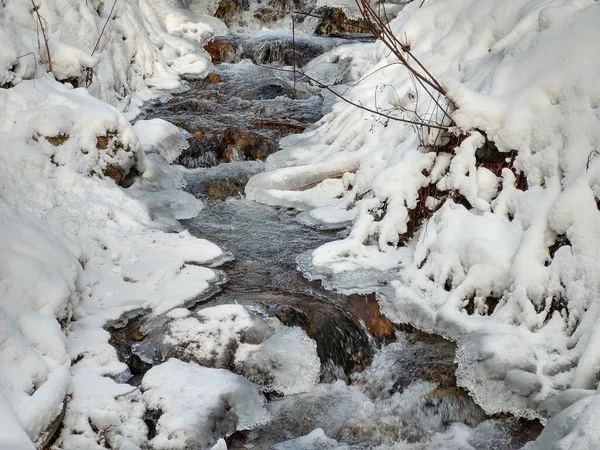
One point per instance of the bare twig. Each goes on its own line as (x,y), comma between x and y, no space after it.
(36,9)
(89,76)
(104,27)
(380,29)
(361,106)
(590,158)
(375,111)
(34,63)
(294,51)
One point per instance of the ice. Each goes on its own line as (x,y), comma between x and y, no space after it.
(162,137)
(199,404)
(573,428)
(286,362)
(315,440)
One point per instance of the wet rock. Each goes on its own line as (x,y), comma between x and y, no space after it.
(229,9)
(222,189)
(367,309)
(413,357)
(221,50)
(343,345)
(213,78)
(335,23)
(268,14)
(230,145)
(224,181)
(124,334)
(269,51)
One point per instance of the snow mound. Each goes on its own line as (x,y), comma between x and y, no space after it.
(275,357)
(198,404)
(488,234)
(162,137)
(119,51)
(285,362)
(76,249)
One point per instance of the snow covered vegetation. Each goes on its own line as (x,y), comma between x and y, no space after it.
(485,228)
(463,155)
(76,249)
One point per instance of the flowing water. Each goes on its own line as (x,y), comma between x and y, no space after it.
(381,386)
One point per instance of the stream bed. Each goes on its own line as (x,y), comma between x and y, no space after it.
(380,386)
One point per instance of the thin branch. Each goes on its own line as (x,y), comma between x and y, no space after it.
(34,63)
(359,105)
(37,12)
(365,108)
(590,158)
(381,30)
(104,27)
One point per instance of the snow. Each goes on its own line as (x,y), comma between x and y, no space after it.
(77,249)
(275,357)
(162,137)
(480,269)
(199,404)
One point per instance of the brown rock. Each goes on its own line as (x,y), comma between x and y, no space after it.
(228,9)
(220,51)
(213,78)
(335,23)
(250,146)
(221,189)
(268,14)
(115,173)
(57,140)
(367,308)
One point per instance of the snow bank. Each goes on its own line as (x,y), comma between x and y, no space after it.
(76,249)
(197,404)
(504,260)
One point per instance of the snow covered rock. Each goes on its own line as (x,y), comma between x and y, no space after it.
(162,137)
(198,405)
(316,439)
(286,362)
(275,357)
(71,240)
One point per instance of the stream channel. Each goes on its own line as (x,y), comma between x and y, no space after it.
(381,386)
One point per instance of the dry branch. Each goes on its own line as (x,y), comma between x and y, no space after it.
(36,9)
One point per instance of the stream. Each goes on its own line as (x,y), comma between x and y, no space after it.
(380,385)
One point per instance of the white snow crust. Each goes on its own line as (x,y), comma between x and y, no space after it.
(523,77)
